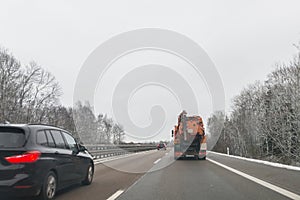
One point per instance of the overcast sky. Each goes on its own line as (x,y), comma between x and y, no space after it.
(244,39)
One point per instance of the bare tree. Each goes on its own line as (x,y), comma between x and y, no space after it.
(25,93)
(31,95)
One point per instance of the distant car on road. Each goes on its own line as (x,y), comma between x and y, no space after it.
(39,160)
(162,146)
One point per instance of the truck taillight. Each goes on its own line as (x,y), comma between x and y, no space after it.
(28,157)
(176,141)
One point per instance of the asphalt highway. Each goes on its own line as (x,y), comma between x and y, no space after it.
(156,175)
(191,179)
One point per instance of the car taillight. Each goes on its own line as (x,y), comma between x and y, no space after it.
(28,157)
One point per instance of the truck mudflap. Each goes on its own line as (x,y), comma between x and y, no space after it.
(177,155)
(202,152)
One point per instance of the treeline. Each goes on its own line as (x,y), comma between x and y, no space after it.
(30,94)
(96,129)
(265,118)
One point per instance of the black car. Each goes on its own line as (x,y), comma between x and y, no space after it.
(38,160)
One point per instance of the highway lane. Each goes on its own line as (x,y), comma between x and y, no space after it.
(191,179)
(110,176)
(155,175)
(284,178)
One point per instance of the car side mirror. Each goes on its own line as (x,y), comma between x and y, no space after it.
(81,148)
(75,151)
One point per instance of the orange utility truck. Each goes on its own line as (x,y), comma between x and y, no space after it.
(189,137)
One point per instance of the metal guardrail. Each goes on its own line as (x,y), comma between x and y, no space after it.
(103,151)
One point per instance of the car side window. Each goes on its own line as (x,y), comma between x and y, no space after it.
(71,143)
(50,139)
(58,139)
(41,138)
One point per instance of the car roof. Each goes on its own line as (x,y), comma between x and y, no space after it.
(26,126)
(13,125)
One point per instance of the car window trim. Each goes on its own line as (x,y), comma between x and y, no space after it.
(44,131)
(62,132)
(54,139)
(65,140)
(51,137)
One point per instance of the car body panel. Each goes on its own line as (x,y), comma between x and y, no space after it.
(26,179)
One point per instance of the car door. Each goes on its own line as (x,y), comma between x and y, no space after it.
(72,145)
(65,165)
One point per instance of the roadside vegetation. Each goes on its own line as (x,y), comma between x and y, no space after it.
(265,119)
(30,94)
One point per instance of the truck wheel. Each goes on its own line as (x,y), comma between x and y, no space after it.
(177,158)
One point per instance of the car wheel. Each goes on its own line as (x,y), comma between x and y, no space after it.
(49,187)
(89,176)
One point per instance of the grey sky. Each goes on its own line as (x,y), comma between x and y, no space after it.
(243,38)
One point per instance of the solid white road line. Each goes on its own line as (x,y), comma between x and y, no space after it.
(273,164)
(115,195)
(157,161)
(261,182)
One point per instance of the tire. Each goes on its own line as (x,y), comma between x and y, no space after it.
(89,175)
(49,187)
(204,158)
(177,157)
